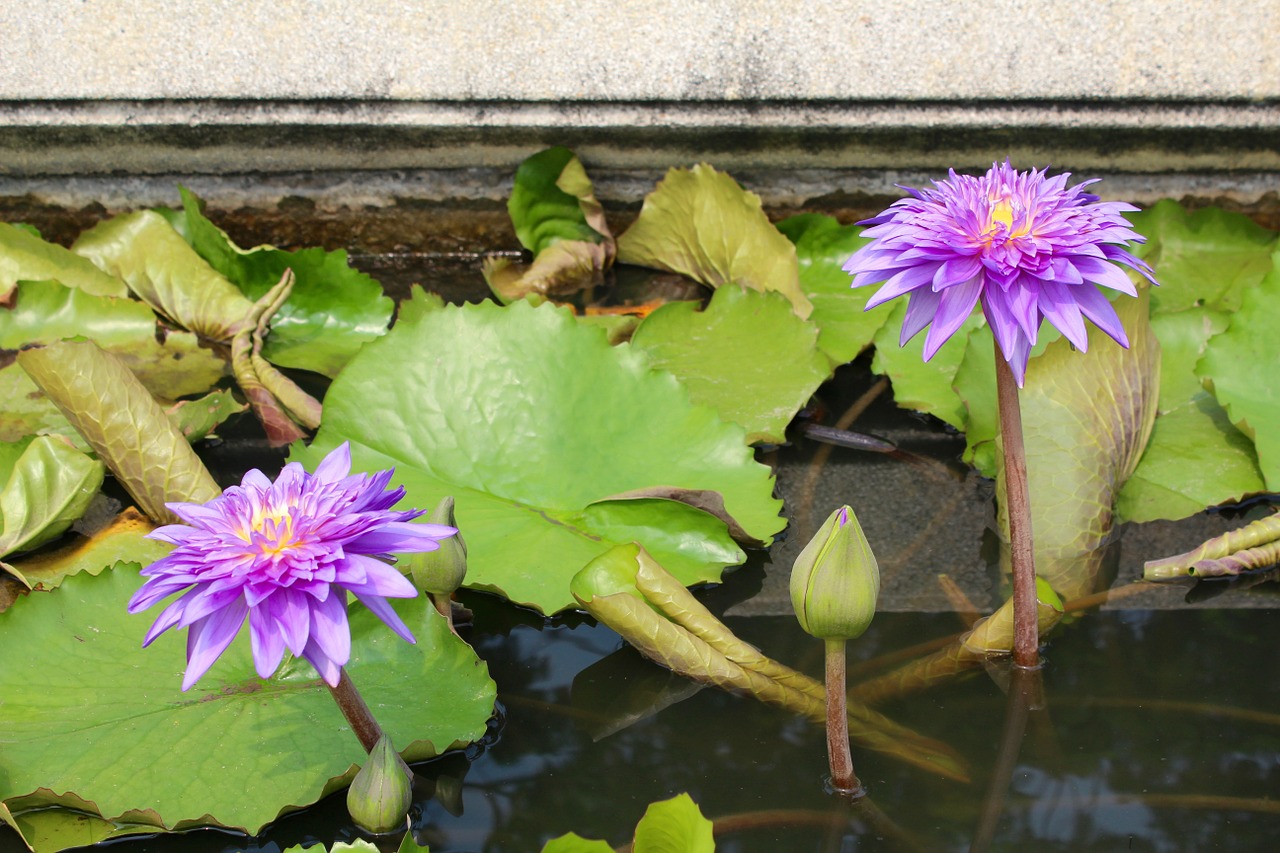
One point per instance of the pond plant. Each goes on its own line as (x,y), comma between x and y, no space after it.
(596,457)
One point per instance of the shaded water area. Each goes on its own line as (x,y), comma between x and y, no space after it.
(1152,728)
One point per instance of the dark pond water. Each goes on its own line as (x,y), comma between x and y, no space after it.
(1154,727)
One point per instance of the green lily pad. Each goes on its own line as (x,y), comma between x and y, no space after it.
(926,386)
(669,826)
(822,247)
(166,273)
(169,363)
(45,490)
(1196,458)
(332,311)
(700,223)
(27,411)
(1207,258)
(747,355)
(88,711)
(24,256)
(48,823)
(197,419)
(555,445)
(1239,367)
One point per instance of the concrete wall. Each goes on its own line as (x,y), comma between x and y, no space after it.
(446,97)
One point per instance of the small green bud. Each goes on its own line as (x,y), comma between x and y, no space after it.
(441,571)
(835,581)
(380,795)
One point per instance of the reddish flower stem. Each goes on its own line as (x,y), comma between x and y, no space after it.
(1026,632)
(358,715)
(843,779)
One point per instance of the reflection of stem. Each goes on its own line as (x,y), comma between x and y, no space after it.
(358,715)
(1026,636)
(804,506)
(1024,689)
(843,779)
(1085,602)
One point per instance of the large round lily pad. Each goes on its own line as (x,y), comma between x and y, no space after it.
(555,445)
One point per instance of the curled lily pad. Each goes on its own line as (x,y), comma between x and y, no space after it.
(44,488)
(123,424)
(541,431)
(166,273)
(702,224)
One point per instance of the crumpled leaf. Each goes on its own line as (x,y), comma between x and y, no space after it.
(1239,367)
(1086,418)
(702,224)
(49,823)
(42,493)
(747,355)
(332,311)
(559,269)
(169,363)
(822,247)
(1195,458)
(166,273)
(103,718)
(1206,258)
(24,256)
(533,423)
(122,423)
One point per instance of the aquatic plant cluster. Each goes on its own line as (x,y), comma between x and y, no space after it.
(591,458)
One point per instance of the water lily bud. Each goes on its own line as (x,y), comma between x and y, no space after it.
(380,795)
(835,581)
(441,571)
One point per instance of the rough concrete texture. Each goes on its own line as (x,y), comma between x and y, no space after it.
(663,50)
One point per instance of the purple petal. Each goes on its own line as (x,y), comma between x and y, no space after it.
(267,642)
(335,465)
(380,608)
(1059,307)
(209,638)
(920,310)
(1096,307)
(329,629)
(329,670)
(955,307)
(380,579)
(400,537)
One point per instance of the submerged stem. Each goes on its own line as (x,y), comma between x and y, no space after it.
(843,779)
(358,715)
(1026,634)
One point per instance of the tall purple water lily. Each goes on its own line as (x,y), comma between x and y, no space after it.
(1026,245)
(285,554)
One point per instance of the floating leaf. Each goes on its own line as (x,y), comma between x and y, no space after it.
(44,490)
(536,426)
(674,826)
(926,386)
(1207,258)
(822,247)
(1196,458)
(1239,367)
(747,355)
(572,842)
(166,273)
(48,823)
(170,363)
(196,419)
(701,224)
(123,423)
(103,718)
(332,311)
(24,256)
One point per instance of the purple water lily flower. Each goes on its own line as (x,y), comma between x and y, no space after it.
(1026,245)
(285,554)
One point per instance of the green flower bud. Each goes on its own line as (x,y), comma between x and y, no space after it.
(835,581)
(441,571)
(380,795)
